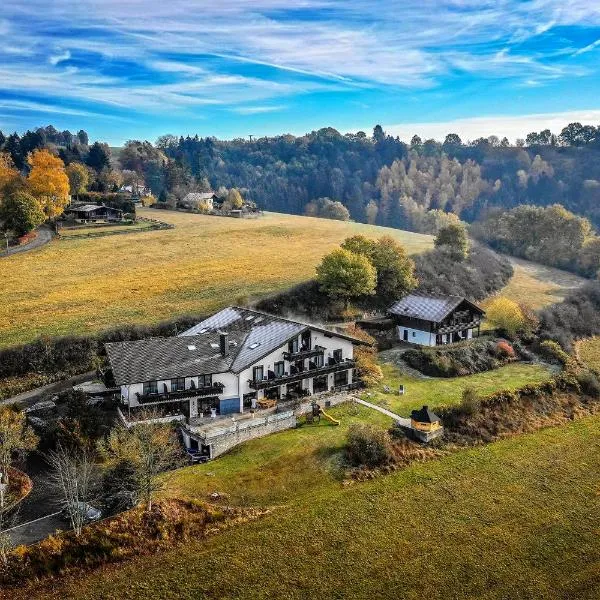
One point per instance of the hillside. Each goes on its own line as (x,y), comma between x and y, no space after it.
(85,285)
(506,520)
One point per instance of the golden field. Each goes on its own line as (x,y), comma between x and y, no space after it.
(205,263)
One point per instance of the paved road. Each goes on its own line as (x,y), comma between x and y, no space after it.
(401,420)
(27,398)
(44,235)
(35,531)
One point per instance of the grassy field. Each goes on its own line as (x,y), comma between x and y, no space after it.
(447,391)
(537,286)
(515,519)
(589,352)
(104,230)
(203,264)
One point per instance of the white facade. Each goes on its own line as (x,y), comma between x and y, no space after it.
(238,385)
(426,338)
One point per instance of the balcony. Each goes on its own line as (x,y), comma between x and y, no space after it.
(452,327)
(333,367)
(302,354)
(199,392)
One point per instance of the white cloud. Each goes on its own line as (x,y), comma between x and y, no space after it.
(512,127)
(58,58)
(256,110)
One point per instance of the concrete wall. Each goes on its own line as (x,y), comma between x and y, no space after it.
(221,439)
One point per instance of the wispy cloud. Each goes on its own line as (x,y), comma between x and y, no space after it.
(58,58)
(513,127)
(256,110)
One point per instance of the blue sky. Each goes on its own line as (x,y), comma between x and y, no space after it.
(125,69)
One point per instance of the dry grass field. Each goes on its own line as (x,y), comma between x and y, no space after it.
(86,285)
(537,285)
(589,352)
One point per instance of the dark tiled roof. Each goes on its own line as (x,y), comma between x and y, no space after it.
(424,415)
(265,333)
(251,336)
(91,208)
(165,358)
(428,307)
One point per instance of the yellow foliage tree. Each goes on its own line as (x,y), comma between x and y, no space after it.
(506,315)
(48,181)
(8,171)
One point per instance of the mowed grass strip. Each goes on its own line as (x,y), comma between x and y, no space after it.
(205,263)
(441,391)
(515,519)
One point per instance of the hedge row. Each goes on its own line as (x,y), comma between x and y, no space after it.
(77,354)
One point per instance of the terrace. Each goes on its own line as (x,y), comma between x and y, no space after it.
(303,354)
(169,396)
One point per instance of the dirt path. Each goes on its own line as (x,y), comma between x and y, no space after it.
(44,235)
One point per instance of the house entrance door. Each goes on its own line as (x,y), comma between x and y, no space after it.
(405,335)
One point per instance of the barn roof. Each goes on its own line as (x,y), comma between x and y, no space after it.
(429,307)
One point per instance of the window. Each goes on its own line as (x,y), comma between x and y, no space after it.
(293,345)
(254,345)
(204,380)
(337,355)
(257,373)
(178,384)
(150,387)
(319,360)
(414,334)
(279,369)
(340,378)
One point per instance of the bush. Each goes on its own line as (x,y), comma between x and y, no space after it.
(470,402)
(368,446)
(590,384)
(464,358)
(552,351)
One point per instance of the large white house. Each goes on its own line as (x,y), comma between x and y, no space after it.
(230,362)
(434,320)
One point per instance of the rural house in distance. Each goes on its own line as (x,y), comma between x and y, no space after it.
(434,320)
(235,360)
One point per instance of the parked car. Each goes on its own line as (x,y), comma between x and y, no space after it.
(87,510)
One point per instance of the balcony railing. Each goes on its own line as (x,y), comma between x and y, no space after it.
(302,354)
(199,392)
(452,327)
(306,374)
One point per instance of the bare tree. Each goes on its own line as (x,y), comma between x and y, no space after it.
(150,448)
(75,477)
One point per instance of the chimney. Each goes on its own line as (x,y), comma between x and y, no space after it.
(224,342)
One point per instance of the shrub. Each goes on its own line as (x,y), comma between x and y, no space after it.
(470,402)
(505,349)
(506,315)
(589,383)
(368,446)
(552,351)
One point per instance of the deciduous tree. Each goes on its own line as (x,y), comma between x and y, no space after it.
(345,275)
(454,239)
(78,178)
(15,435)
(506,315)
(48,181)
(21,213)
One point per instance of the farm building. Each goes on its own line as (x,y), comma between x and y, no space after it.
(235,360)
(200,200)
(433,320)
(91,213)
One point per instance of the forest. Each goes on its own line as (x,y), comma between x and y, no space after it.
(378,178)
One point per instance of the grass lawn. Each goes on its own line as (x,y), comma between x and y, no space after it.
(200,266)
(537,285)
(515,519)
(69,233)
(441,391)
(589,352)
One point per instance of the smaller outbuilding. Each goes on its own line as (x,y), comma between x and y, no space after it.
(200,201)
(92,213)
(435,320)
(425,424)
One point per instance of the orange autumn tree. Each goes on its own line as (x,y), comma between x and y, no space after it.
(48,182)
